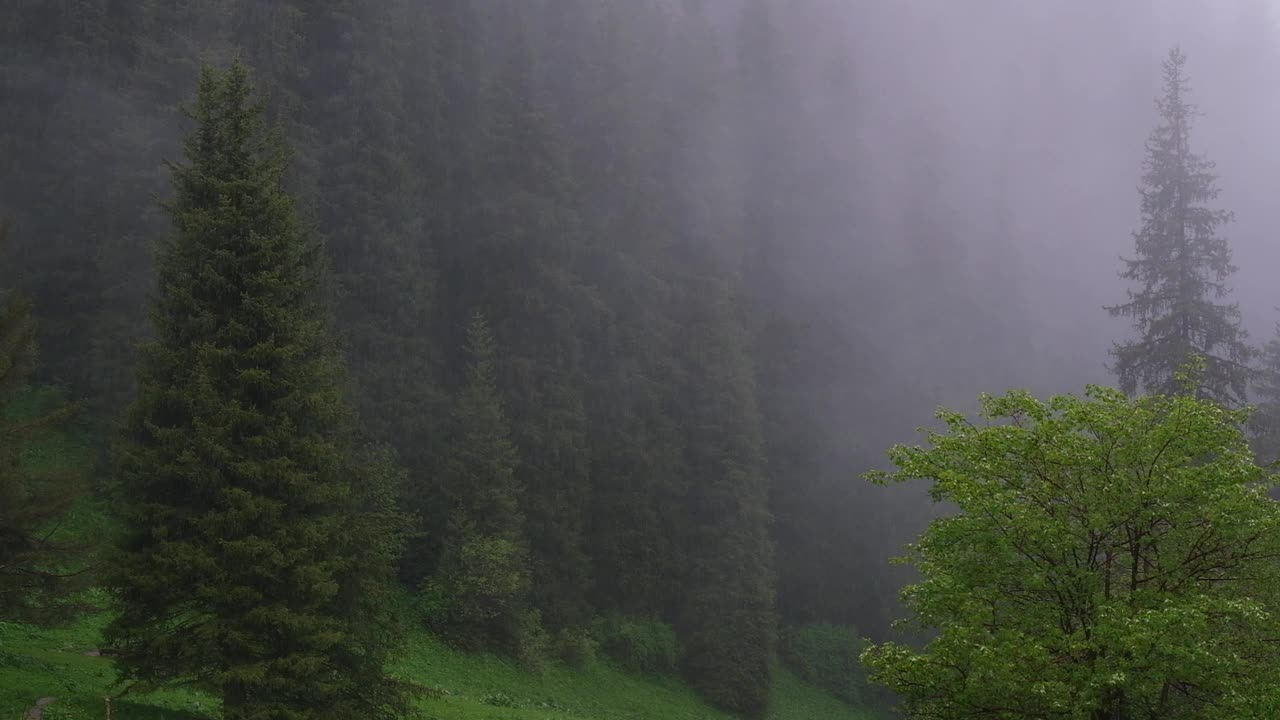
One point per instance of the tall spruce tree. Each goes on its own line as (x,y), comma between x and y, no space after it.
(614,113)
(726,605)
(786,345)
(727,623)
(33,570)
(372,215)
(1180,266)
(484,571)
(257,539)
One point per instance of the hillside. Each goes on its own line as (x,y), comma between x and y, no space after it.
(63,663)
(56,663)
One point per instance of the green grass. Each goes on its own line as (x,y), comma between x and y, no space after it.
(63,448)
(484,687)
(37,663)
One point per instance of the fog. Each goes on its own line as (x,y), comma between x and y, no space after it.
(1038,112)
(950,187)
(964,186)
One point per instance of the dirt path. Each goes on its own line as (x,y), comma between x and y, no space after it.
(38,709)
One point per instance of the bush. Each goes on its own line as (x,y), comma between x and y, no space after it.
(827,656)
(533,644)
(644,646)
(477,601)
(432,605)
(575,647)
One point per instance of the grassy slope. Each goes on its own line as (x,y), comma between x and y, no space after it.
(483,687)
(51,663)
(38,663)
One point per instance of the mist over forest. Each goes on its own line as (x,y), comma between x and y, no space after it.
(665,277)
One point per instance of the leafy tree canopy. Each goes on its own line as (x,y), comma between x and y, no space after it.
(1111,558)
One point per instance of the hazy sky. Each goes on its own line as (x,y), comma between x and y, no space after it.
(1041,109)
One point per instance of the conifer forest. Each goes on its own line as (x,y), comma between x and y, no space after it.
(615,333)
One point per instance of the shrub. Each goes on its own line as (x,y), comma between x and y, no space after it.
(476,602)
(533,644)
(644,646)
(432,605)
(575,647)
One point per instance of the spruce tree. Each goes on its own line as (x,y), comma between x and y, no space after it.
(367,163)
(1180,266)
(618,145)
(34,574)
(257,540)
(520,265)
(726,606)
(727,621)
(786,344)
(484,572)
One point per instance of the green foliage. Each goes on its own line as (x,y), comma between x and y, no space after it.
(258,539)
(1110,558)
(533,649)
(432,604)
(485,582)
(575,647)
(1180,266)
(827,656)
(643,646)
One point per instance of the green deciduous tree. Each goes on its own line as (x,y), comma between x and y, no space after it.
(258,540)
(1180,266)
(1111,558)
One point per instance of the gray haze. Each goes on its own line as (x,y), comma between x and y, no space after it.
(1036,113)
(1006,137)
(960,183)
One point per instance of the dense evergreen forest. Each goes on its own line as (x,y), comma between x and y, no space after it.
(547,289)
(559,276)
